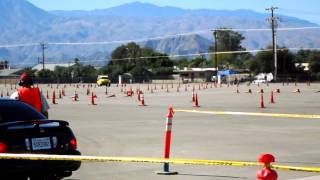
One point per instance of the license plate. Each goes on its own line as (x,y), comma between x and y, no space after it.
(41,143)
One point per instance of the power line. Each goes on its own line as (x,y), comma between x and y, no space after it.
(186,55)
(155,38)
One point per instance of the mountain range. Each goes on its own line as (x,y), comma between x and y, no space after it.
(22,23)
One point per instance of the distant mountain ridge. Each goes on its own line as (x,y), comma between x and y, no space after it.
(22,22)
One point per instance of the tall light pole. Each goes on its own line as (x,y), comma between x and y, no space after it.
(43,46)
(273,21)
(215,54)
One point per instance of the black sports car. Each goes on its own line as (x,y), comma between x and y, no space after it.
(24,130)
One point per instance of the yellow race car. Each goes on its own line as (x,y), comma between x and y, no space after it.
(103,80)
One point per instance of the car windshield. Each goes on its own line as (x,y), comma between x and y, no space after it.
(11,111)
(103,78)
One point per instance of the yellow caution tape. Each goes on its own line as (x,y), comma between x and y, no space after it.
(148,160)
(303,116)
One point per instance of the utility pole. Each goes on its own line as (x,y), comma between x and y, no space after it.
(215,50)
(43,46)
(273,21)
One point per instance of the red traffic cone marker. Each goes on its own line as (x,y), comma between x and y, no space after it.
(193,97)
(142,103)
(261,101)
(271,98)
(88,91)
(266,173)
(93,97)
(75,97)
(196,102)
(54,97)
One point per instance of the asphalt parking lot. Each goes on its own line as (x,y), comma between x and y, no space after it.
(117,126)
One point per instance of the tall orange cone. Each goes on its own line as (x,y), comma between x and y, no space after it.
(193,97)
(54,97)
(271,98)
(138,93)
(93,97)
(196,102)
(261,101)
(88,91)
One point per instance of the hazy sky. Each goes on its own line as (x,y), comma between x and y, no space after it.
(304,9)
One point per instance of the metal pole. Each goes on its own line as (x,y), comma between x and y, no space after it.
(215,54)
(43,46)
(274,45)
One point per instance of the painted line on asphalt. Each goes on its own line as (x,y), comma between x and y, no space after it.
(303,116)
(148,160)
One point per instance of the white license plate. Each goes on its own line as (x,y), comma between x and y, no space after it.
(41,143)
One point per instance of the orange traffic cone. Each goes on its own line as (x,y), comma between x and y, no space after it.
(54,97)
(142,100)
(139,92)
(271,98)
(237,90)
(75,97)
(196,102)
(47,94)
(261,101)
(88,91)
(93,96)
(193,97)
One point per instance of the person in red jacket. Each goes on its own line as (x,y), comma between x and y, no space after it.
(31,95)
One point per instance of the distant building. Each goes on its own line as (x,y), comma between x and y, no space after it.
(51,67)
(196,74)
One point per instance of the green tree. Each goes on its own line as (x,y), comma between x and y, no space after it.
(227,40)
(263,62)
(131,58)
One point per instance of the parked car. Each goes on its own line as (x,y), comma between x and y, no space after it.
(258,81)
(103,80)
(25,130)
